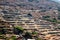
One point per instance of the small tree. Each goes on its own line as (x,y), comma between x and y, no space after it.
(27,35)
(18,30)
(19,27)
(34,33)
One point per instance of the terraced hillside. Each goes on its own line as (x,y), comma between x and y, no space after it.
(33,4)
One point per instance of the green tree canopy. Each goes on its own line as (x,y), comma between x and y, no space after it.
(34,33)
(19,27)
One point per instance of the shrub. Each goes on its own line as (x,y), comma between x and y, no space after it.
(13,38)
(18,30)
(34,33)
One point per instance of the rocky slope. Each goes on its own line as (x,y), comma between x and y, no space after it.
(33,4)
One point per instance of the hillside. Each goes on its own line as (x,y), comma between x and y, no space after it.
(33,4)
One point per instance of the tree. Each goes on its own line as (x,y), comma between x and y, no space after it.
(27,35)
(54,20)
(2,31)
(58,8)
(30,15)
(34,33)
(19,27)
(18,30)
(46,17)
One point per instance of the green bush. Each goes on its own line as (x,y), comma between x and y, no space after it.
(46,16)
(34,33)
(0,33)
(13,38)
(18,27)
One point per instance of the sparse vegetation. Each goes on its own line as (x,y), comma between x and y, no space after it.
(43,10)
(52,20)
(38,39)
(46,17)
